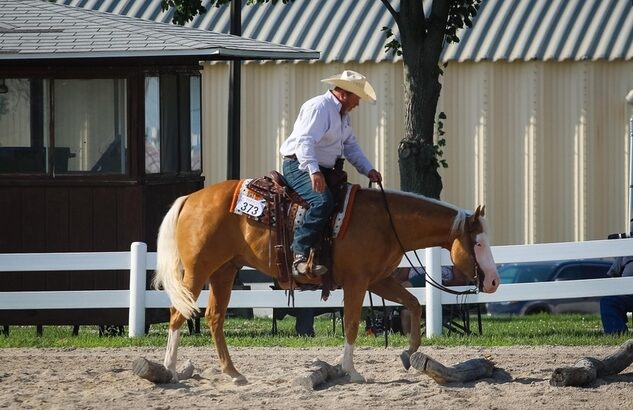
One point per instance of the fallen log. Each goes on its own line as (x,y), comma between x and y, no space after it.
(319,372)
(588,369)
(157,373)
(469,370)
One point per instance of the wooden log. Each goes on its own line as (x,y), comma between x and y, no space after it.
(154,372)
(157,373)
(469,370)
(186,371)
(588,369)
(319,372)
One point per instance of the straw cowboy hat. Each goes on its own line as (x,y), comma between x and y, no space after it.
(355,83)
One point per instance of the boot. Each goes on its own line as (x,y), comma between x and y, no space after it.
(300,267)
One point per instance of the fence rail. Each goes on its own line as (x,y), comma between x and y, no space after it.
(138,261)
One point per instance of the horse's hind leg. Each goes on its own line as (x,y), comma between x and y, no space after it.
(194,283)
(173,337)
(389,288)
(221,284)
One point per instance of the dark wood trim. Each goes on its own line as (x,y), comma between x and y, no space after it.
(88,212)
(78,68)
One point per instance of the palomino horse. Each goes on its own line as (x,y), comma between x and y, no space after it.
(200,241)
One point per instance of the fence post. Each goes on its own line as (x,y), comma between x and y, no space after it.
(138,279)
(433,295)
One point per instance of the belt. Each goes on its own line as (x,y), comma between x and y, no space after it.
(292,157)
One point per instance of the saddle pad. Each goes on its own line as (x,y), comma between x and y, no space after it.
(249,203)
(342,218)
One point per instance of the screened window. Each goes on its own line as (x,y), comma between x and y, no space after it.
(89,133)
(90,122)
(24,126)
(173,124)
(152,125)
(196,124)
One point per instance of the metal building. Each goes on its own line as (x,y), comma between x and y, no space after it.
(534,94)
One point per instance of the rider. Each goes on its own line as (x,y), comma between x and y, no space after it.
(322,133)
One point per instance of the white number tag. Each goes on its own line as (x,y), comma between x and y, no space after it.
(250,206)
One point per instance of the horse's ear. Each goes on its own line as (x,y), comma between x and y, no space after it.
(479,212)
(482,212)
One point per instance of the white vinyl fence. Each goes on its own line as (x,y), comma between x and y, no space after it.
(138,261)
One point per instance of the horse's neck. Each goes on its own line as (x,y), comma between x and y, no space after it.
(422,223)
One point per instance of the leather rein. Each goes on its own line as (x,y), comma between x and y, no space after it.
(427,278)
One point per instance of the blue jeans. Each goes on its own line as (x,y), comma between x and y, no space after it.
(321,206)
(613,311)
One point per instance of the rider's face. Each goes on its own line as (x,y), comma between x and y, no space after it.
(349,102)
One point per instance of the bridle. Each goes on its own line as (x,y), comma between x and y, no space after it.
(427,278)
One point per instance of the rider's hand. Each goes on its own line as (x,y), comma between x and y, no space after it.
(374,176)
(318,182)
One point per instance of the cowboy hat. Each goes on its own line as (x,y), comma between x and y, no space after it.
(353,82)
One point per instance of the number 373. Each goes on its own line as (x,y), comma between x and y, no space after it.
(249,208)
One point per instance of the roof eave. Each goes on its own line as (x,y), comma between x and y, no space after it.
(202,54)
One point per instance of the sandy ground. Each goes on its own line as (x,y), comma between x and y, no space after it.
(102,378)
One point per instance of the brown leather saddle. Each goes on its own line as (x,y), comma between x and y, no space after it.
(283,203)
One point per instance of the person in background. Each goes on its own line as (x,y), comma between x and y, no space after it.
(613,309)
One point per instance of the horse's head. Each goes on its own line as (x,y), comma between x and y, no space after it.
(470,252)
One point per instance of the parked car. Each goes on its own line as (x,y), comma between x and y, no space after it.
(548,272)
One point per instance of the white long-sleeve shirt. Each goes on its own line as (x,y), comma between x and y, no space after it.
(321,135)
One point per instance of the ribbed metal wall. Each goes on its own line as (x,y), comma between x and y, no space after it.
(272,96)
(543,145)
(550,145)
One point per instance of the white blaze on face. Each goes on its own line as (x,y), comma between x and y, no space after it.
(486,263)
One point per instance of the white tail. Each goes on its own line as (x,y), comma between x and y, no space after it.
(169,270)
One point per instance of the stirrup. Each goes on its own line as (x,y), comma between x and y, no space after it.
(300,267)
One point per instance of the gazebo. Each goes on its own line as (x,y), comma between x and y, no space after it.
(100,130)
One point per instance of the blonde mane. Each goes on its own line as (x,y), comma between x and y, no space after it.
(459,222)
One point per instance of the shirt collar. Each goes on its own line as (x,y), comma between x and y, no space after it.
(332,99)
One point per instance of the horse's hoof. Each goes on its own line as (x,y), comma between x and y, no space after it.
(406,359)
(239,380)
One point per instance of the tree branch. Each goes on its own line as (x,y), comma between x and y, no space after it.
(392,11)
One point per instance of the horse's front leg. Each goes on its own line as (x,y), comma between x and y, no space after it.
(352,305)
(391,289)
(221,284)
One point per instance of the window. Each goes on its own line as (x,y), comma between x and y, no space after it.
(152,125)
(196,123)
(90,124)
(577,272)
(89,133)
(24,126)
(173,124)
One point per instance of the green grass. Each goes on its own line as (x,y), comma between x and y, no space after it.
(568,330)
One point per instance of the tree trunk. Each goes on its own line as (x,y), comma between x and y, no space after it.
(422,43)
